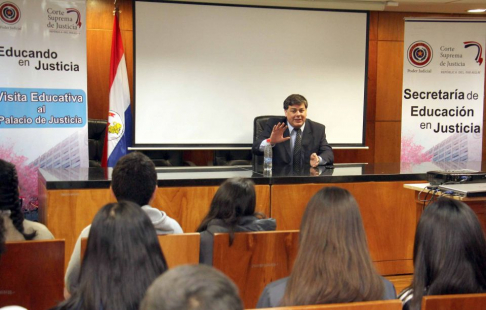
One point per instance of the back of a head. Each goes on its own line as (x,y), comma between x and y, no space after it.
(192,287)
(122,258)
(333,214)
(134,178)
(333,264)
(122,233)
(449,251)
(9,197)
(235,198)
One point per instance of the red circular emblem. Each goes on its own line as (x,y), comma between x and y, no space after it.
(419,54)
(9,13)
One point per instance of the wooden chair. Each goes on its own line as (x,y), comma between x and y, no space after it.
(179,249)
(400,282)
(32,274)
(454,302)
(255,259)
(367,305)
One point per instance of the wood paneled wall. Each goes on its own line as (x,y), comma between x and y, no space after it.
(385,55)
(99,25)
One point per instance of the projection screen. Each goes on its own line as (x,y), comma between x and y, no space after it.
(204,72)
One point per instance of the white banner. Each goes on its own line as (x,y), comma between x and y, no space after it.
(43,102)
(443,90)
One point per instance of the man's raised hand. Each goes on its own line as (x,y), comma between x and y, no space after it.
(277,134)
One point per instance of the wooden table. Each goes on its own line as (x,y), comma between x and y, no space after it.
(424,196)
(69,199)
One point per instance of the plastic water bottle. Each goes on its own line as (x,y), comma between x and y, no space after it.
(267,157)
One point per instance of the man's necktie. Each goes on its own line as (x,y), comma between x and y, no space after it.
(297,163)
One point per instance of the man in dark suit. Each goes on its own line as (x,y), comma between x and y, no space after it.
(295,139)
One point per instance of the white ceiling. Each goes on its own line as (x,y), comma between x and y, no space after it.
(430,6)
(438,6)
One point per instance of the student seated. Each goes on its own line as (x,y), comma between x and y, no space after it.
(232,210)
(2,237)
(333,264)
(16,227)
(133,179)
(192,287)
(122,258)
(2,250)
(449,253)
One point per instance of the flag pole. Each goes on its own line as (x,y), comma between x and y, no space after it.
(116,9)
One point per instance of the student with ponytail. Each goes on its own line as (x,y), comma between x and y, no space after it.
(16,227)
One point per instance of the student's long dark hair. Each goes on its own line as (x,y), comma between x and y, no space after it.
(9,197)
(2,236)
(449,252)
(333,264)
(122,258)
(234,199)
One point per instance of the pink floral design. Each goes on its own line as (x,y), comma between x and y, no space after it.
(413,153)
(26,173)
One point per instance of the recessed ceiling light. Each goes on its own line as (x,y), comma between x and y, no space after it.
(477,11)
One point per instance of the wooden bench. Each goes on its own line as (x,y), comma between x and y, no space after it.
(32,274)
(178,249)
(400,282)
(255,259)
(454,302)
(181,249)
(366,305)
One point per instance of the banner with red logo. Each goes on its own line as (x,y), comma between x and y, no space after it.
(443,91)
(43,102)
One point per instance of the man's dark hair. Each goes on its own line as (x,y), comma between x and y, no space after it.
(134,178)
(192,287)
(294,100)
